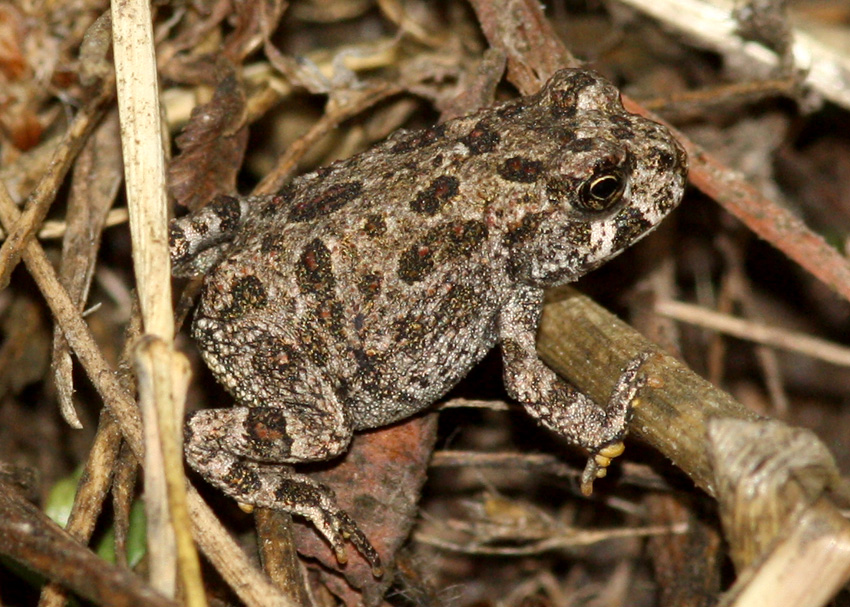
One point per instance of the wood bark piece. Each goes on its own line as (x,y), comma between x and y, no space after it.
(786,538)
(772,480)
(29,537)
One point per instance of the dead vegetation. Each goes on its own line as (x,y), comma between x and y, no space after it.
(722,496)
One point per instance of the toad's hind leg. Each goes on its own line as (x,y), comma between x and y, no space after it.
(293,416)
(244,451)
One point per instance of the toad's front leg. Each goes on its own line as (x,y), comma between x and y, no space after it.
(555,403)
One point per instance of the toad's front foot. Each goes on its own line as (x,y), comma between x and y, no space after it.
(623,400)
(597,465)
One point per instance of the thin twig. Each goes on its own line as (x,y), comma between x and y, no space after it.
(761,333)
(288,162)
(21,232)
(571,539)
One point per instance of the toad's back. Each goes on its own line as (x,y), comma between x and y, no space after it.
(384,274)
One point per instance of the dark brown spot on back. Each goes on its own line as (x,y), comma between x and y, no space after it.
(312,345)
(374,225)
(418,140)
(314,273)
(273,204)
(563,105)
(464,237)
(481,139)
(430,200)
(622,133)
(330,315)
(458,302)
(326,171)
(511,109)
(440,245)
(369,285)
(520,170)
(415,263)
(272,243)
(247,294)
(581,144)
(326,202)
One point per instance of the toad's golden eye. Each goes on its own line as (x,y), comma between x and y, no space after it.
(602,191)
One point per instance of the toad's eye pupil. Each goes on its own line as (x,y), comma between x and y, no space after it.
(605,187)
(601,192)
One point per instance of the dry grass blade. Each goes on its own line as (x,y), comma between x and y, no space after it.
(169,540)
(144,162)
(161,515)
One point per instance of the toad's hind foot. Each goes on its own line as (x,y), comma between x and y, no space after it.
(302,496)
(277,487)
